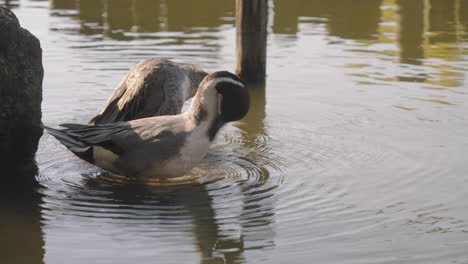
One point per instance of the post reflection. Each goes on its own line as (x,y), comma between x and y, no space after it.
(255,138)
(183,16)
(148,15)
(349,19)
(21,238)
(252,126)
(411,36)
(63,4)
(411,31)
(354,19)
(464,19)
(442,21)
(286,14)
(119,15)
(91,16)
(124,16)
(11,3)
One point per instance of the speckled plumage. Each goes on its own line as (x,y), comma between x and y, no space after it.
(153,87)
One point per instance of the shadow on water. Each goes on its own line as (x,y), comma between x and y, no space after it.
(20,218)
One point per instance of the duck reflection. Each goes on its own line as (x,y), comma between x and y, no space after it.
(223,227)
(21,239)
(195,199)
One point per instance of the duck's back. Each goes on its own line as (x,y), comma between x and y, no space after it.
(153,87)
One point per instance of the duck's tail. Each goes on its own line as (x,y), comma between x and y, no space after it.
(74,144)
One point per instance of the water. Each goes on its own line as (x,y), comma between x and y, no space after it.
(354,152)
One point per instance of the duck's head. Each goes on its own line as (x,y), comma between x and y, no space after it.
(222,96)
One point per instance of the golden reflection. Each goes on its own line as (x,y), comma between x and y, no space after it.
(91,16)
(286,14)
(442,21)
(147,15)
(437,101)
(354,19)
(463,19)
(11,3)
(63,4)
(410,31)
(198,16)
(349,19)
(123,16)
(443,18)
(421,29)
(119,18)
(404,108)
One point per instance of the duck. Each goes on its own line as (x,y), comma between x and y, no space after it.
(162,146)
(153,87)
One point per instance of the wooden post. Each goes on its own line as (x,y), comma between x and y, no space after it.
(251,35)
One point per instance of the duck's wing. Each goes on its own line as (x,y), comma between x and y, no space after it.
(118,137)
(140,94)
(81,139)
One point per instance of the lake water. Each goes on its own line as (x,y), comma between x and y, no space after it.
(356,151)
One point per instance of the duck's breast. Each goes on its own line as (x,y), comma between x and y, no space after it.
(190,154)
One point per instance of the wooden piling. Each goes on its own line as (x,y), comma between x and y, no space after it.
(251,38)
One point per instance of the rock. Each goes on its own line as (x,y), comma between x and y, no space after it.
(21,76)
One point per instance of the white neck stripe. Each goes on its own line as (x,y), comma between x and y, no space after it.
(219,80)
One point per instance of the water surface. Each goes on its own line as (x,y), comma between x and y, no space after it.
(355,151)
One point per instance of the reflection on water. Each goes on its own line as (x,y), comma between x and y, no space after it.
(424,28)
(355,151)
(11,3)
(226,209)
(410,31)
(130,19)
(363,24)
(163,205)
(20,220)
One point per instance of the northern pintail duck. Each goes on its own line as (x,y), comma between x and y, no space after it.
(153,87)
(162,146)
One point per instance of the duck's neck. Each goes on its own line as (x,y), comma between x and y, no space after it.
(205,112)
(195,75)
